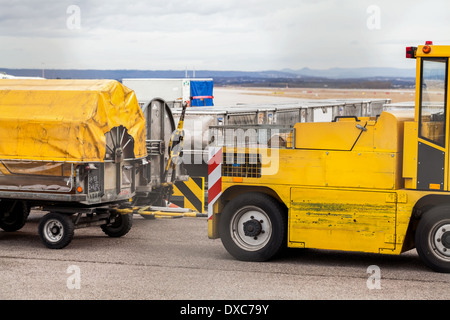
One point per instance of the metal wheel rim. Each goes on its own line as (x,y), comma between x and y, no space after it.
(245,242)
(117,139)
(53,230)
(440,249)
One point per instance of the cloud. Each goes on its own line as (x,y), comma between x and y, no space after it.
(215,34)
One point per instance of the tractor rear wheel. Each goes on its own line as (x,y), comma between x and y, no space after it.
(433,238)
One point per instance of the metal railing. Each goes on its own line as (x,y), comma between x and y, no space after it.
(251,136)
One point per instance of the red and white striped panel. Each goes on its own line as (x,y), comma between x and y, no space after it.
(214,177)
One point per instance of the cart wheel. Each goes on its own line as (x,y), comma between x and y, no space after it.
(56,230)
(253,227)
(120,227)
(13,215)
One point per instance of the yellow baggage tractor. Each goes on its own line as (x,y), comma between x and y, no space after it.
(77,148)
(369,184)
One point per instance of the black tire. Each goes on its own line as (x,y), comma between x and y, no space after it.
(56,230)
(253,227)
(13,215)
(120,227)
(433,238)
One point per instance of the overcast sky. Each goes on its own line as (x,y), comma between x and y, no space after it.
(250,35)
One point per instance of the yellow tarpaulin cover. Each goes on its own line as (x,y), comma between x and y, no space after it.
(66,120)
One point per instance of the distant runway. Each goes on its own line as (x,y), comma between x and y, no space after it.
(226,96)
(232,96)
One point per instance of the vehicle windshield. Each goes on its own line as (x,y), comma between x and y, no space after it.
(433,100)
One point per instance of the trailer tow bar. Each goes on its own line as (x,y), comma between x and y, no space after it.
(161,212)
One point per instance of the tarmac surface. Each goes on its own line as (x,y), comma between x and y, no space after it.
(174,259)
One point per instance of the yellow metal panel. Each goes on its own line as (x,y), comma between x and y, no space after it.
(362,170)
(340,135)
(66,120)
(410,155)
(388,133)
(417,93)
(294,167)
(351,220)
(214,221)
(436,51)
(329,168)
(407,199)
